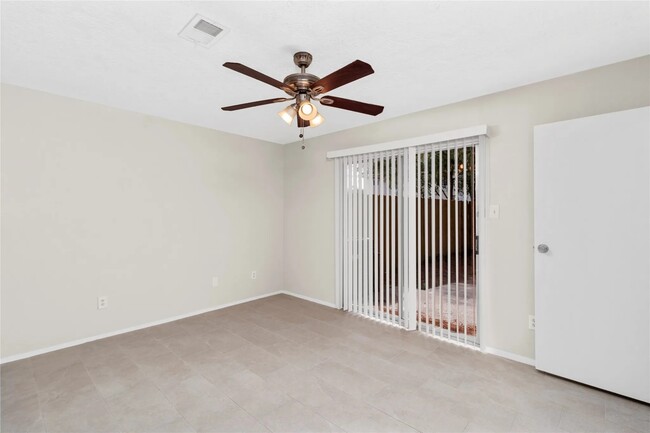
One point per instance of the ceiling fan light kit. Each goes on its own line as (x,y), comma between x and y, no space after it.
(303,87)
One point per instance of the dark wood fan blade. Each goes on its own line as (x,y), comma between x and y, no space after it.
(254,104)
(302,123)
(345,75)
(349,104)
(242,69)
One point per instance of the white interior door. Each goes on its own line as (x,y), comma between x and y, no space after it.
(592,286)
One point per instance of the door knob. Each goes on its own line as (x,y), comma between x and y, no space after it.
(542,248)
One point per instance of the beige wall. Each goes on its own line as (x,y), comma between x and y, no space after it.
(511,115)
(99,201)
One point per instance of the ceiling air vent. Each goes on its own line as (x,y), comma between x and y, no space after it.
(202,31)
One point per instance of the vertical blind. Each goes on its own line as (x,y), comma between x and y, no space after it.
(370,241)
(446,240)
(406,236)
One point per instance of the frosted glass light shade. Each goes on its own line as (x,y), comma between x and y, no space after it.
(316,121)
(307,111)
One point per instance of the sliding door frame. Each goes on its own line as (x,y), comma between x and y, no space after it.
(410,145)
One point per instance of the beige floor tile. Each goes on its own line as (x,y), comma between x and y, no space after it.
(577,422)
(184,344)
(69,380)
(141,408)
(144,348)
(523,423)
(42,365)
(347,379)
(297,355)
(259,336)
(349,413)
(216,413)
(178,425)
(256,359)
(258,399)
(114,376)
(22,414)
(417,408)
(189,391)
(298,334)
(225,341)
(93,420)
(632,414)
(295,417)
(17,384)
(164,369)
(485,413)
(282,364)
(83,412)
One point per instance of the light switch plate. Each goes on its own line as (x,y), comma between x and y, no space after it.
(215,281)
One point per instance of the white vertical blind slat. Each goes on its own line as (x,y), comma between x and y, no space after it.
(382,248)
(346,255)
(440,224)
(337,229)
(373,204)
(418,219)
(465,242)
(392,234)
(426,230)
(400,238)
(432,181)
(355,233)
(448,193)
(363,237)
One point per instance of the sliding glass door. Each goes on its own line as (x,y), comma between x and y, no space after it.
(406,237)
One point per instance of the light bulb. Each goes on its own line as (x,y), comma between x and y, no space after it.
(316,121)
(307,111)
(288,114)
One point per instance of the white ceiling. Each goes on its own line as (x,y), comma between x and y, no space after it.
(425,54)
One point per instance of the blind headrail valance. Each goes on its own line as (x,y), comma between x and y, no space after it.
(474,131)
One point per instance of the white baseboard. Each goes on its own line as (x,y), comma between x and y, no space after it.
(509,355)
(307,298)
(490,350)
(134,328)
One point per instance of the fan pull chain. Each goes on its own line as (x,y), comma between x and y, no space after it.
(302,137)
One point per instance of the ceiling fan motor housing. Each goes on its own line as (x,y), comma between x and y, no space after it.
(301,82)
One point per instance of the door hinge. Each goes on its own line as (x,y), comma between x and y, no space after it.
(476,246)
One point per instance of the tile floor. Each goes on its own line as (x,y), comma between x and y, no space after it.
(285,365)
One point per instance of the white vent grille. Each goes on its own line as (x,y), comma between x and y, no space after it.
(202,31)
(208,28)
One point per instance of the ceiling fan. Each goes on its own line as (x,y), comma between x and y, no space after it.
(303,87)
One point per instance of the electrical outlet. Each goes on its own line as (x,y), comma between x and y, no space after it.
(253,275)
(102,302)
(531,322)
(215,281)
